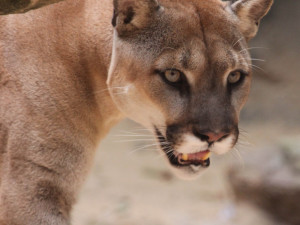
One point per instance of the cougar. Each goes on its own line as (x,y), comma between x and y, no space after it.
(70,71)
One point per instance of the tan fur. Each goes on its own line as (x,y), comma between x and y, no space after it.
(62,87)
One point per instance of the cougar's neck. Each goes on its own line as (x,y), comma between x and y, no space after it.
(88,22)
(97,41)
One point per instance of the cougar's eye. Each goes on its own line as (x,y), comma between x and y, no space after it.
(172,75)
(234,77)
(175,79)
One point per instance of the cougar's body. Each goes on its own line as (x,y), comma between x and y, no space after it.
(59,67)
(54,104)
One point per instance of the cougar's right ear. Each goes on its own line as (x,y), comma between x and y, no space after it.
(249,13)
(132,15)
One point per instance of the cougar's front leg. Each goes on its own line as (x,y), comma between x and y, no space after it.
(40,182)
(35,203)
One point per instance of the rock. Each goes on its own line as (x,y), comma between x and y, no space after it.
(291,151)
(22,6)
(270,179)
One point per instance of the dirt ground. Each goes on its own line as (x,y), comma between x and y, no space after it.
(132,185)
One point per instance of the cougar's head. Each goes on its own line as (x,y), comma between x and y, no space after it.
(181,68)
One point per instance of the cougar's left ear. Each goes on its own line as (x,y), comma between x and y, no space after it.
(249,13)
(132,15)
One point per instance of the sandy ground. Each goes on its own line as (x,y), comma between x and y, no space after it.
(132,185)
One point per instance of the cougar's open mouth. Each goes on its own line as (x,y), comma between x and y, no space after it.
(198,158)
(181,160)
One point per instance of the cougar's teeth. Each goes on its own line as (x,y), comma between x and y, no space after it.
(198,158)
(206,156)
(185,157)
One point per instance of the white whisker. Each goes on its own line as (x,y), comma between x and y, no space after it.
(261,60)
(237,42)
(133,135)
(146,147)
(247,49)
(239,156)
(254,66)
(134,140)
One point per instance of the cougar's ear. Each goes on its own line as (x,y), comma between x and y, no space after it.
(249,13)
(132,15)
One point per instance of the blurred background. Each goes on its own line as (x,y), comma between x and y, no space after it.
(256,183)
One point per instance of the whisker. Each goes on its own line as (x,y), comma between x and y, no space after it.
(134,140)
(261,60)
(237,42)
(133,135)
(239,156)
(129,132)
(258,68)
(171,150)
(146,147)
(161,155)
(247,49)
(253,59)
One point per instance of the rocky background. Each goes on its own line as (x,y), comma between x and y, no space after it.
(270,178)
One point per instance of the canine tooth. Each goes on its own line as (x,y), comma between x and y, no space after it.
(185,157)
(206,156)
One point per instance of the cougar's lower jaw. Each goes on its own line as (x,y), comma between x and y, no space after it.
(190,172)
(185,166)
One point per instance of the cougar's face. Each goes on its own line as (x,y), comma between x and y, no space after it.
(185,76)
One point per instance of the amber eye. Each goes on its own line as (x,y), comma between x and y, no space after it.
(234,77)
(172,76)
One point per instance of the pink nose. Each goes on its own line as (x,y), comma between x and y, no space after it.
(212,137)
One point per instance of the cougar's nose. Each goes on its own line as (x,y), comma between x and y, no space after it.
(211,137)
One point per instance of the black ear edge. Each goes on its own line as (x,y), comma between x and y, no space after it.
(249,14)
(130,13)
(257,15)
(114,19)
(129,16)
